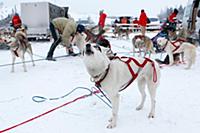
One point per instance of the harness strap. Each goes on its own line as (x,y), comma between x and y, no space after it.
(165,45)
(174,44)
(178,40)
(134,75)
(15,52)
(139,36)
(143,64)
(154,70)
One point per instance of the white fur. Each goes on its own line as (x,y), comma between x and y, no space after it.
(118,75)
(188,49)
(79,41)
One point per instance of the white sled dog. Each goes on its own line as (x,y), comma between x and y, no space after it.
(19,44)
(79,40)
(115,75)
(188,49)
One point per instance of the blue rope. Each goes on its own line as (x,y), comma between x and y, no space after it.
(40,99)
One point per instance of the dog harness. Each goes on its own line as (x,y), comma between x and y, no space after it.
(14,49)
(134,74)
(174,44)
(140,37)
(15,52)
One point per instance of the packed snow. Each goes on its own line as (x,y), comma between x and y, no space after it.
(177,100)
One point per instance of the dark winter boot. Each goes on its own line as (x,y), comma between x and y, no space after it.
(70,51)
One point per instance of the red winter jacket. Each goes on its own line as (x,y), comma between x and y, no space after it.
(102,19)
(16,21)
(143,19)
(171,17)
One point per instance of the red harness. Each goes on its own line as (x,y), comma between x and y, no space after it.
(134,75)
(139,36)
(174,44)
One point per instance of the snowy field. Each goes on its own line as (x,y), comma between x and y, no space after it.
(177,106)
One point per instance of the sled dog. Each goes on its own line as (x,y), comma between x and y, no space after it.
(19,44)
(116,74)
(143,43)
(178,46)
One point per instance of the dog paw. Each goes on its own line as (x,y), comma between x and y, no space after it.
(151,115)
(187,68)
(110,120)
(111,125)
(139,108)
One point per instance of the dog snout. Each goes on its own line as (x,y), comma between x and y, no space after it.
(88,49)
(88,46)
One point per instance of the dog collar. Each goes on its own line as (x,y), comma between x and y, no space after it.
(102,75)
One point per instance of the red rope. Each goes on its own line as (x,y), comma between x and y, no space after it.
(47,112)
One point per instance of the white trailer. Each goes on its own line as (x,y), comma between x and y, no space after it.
(37,16)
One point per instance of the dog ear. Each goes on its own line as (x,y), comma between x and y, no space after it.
(98,47)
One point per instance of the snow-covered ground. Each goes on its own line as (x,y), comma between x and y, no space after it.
(177,106)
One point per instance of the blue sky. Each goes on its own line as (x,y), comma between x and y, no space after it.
(111,7)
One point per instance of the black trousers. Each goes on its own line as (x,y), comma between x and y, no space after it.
(166,60)
(57,40)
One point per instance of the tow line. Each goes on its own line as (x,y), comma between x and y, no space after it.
(58,107)
(41,59)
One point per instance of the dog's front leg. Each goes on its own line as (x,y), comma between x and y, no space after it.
(115,107)
(171,59)
(24,65)
(31,55)
(182,57)
(141,86)
(13,63)
(152,92)
(29,50)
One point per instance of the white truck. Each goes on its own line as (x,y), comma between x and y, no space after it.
(191,20)
(37,16)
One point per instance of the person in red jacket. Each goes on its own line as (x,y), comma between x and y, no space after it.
(172,16)
(143,21)
(16,21)
(102,19)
